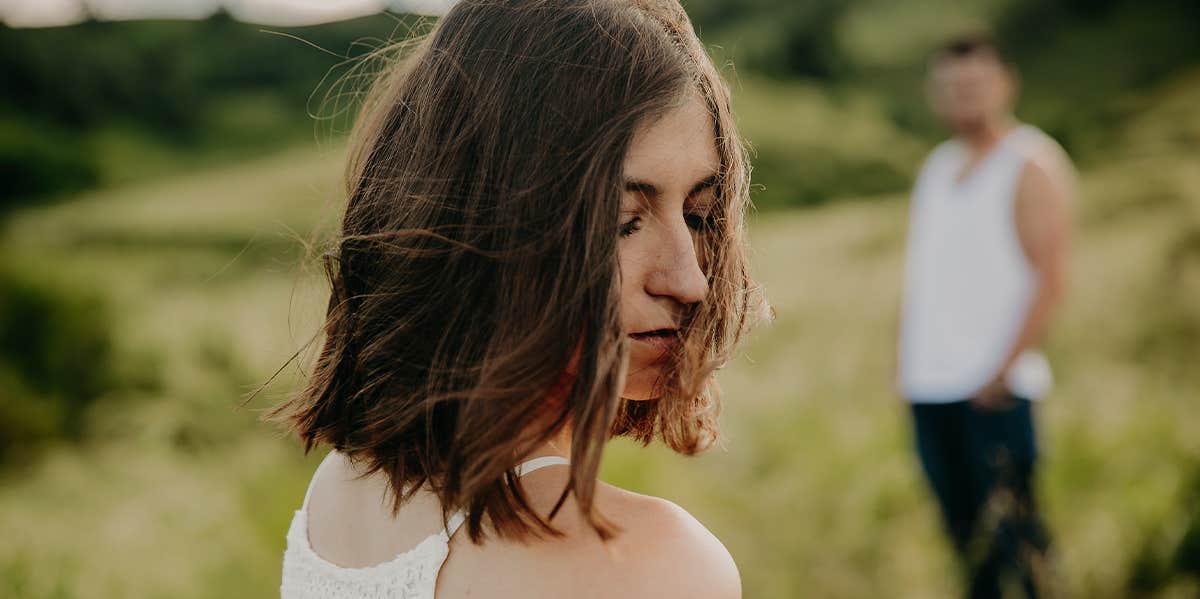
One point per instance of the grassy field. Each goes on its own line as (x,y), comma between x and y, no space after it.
(176,491)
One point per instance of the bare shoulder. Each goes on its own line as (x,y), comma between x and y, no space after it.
(660,551)
(1044,188)
(1044,202)
(1048,168)
(676,555)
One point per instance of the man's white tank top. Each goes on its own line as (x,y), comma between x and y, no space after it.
(410,575)
(968,283)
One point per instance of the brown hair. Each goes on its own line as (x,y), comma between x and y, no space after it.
(476,265)
(970,44)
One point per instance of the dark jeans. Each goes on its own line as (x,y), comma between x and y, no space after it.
(980,465)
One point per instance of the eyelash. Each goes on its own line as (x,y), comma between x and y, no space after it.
(694,222)
(632,226)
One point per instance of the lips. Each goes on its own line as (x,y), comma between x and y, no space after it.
(661,341)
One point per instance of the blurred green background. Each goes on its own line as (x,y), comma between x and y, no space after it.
(165,186)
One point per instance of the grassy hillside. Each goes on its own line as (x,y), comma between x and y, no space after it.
(174,491)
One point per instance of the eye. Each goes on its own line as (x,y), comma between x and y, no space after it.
(698,222)
(631,226)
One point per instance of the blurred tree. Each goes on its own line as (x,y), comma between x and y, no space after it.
(56,358)
(222,85)
(1087,65)
(1081,77)
(39,160)
(170,81)
(778,39)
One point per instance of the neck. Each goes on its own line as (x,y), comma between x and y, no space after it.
(559,445)
(981,136)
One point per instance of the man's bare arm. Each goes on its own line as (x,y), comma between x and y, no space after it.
(1045,196)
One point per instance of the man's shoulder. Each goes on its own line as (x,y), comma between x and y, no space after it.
(1040,148)
(1046,163)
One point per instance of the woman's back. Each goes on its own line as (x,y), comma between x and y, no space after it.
(344,542)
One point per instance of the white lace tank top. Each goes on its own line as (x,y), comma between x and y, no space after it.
(410,575)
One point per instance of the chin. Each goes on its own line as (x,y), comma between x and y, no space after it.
(643,385)
(966,123)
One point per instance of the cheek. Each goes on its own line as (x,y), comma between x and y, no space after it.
(632,272)
(643,373)
(998,93)
(944,100)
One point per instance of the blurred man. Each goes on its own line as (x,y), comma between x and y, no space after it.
(985,269)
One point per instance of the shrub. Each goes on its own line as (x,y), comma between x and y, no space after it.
(36,161)
(56,358)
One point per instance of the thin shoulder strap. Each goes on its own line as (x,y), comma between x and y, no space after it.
(313,481)
(538,463)
(456,520)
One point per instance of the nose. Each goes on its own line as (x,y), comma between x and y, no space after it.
(677,274)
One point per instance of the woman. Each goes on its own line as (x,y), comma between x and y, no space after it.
(542,249)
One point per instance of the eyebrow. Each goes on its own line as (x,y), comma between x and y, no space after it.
(650,190)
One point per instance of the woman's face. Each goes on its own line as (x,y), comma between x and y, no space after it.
(670,173)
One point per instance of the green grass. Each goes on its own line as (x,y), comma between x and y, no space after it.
(178,492)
